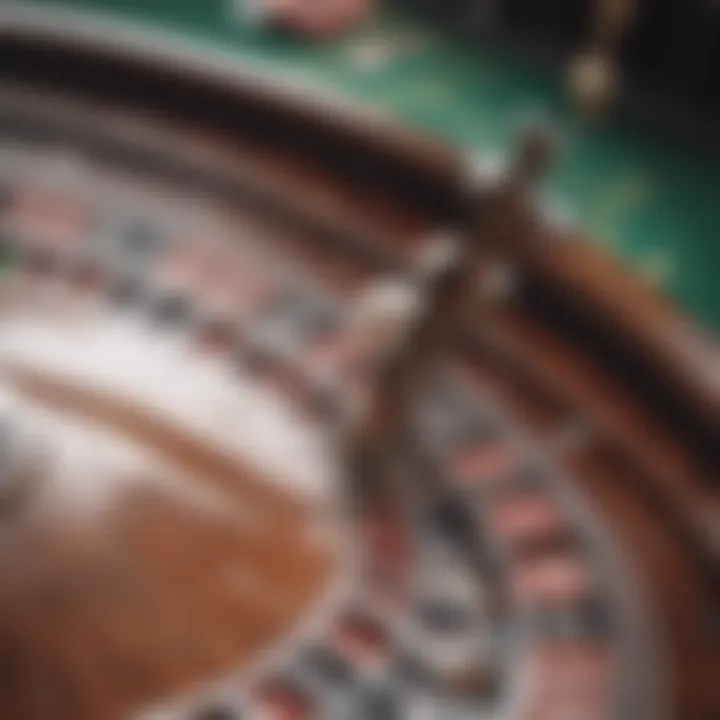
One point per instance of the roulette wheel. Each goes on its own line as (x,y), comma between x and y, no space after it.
(304,415)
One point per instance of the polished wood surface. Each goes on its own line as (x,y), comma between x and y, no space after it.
(103,614)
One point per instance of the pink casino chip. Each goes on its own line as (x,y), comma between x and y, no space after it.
(388,561)
(281,701)
(481,462)
(45,220)
(525,519)
(556,578)
(318,19)
(361,638)
(570,681)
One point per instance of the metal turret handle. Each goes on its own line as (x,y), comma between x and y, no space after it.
(414,320)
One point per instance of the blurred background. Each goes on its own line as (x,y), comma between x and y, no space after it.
(633,84)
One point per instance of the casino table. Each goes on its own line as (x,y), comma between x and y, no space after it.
(332,388)
(648,200)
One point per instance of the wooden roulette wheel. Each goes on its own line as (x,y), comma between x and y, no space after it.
(225,494)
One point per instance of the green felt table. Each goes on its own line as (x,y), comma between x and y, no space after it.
(653,205)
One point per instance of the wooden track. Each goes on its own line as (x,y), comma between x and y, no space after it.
(106,609)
